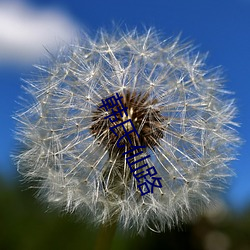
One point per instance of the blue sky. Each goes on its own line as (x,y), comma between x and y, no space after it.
(221,27)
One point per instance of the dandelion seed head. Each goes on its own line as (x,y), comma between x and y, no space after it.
(184,118)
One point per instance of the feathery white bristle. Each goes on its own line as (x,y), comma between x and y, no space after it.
(192,157)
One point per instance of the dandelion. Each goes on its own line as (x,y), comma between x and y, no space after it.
(183,116)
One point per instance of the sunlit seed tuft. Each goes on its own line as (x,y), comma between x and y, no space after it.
(183,116)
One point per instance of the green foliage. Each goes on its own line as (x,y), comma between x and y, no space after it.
(25,225)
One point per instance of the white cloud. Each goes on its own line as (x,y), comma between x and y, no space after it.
(25,31)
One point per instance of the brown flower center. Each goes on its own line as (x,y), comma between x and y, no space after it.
(145,117)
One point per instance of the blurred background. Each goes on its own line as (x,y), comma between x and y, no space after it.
(29,28)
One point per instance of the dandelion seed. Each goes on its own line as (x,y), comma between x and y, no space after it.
(182,114)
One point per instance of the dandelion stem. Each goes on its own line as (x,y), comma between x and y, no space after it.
(105,236)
